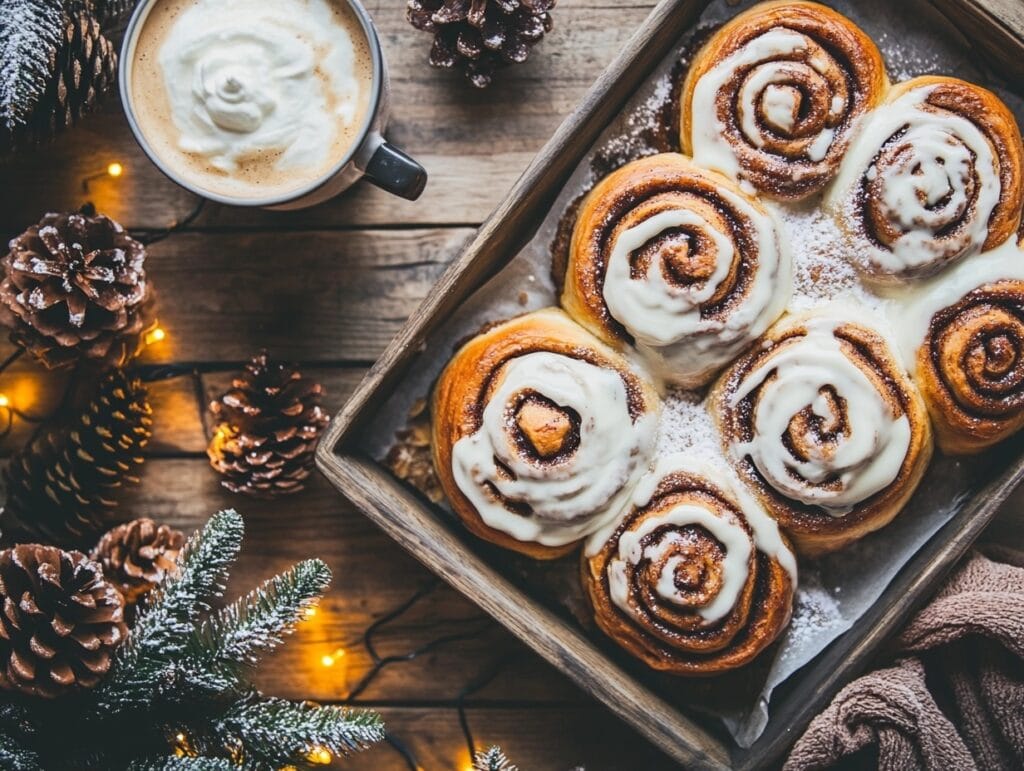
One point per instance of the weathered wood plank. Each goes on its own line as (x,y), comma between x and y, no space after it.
(535,738)
(474,144)
(311,296)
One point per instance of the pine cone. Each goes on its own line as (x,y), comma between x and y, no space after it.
(138,555)
(74,286)
(84,69)
(61,621)
(113,14)
(481,35)
(267,427)
(61,487)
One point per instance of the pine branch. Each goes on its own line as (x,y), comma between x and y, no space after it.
(15,727)
(276,732)
(492,759)
(173,763)
(258,622)
(29,35)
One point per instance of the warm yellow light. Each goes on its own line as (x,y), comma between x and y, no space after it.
(309,612)
(4,401)
(180,737)
(115,169)
(320,755)
(329,660)
(155,336)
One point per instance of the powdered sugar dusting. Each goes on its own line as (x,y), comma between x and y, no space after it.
(686,426)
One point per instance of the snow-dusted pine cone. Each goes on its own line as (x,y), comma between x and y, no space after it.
(481,36)
(138,555)
(266,429)
(74,286)
(61,621)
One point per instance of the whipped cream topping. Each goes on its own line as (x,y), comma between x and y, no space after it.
(667,318)
(579,491)
(247,78)
(865,458)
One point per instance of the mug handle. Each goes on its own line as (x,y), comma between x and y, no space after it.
(392,170)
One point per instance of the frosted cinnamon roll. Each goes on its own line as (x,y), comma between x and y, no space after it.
(773,97)
(677,260)
(695,578)
(540,432)
(934,175)
(965,335)
(825,427)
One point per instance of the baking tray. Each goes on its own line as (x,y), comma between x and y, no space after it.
(995,28)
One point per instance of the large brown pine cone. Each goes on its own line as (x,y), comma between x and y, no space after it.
(83,69)
(266,429)
(74,286)
(63,485)
(138,555)
(61,621)
(481,36)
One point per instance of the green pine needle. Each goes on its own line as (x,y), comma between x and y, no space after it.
(257,623)
(277,732)
(173,763)
(492,759)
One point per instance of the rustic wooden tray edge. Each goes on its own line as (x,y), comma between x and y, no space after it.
(387,502)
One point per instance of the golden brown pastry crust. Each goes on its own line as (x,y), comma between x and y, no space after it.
(475,372)
(782,168)
(646,188)
(814,530)
(970,368)
(671,638)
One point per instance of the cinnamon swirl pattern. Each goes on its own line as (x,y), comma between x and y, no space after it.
(540,432)
(934,175)
(966,338)
(773,97)
(695,578)
(825,427)
(678,261)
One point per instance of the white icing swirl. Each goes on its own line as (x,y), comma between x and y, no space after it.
(767,88)
(247,78)
(726,530)
(576,493)
(933,179)
(860,461)
(666,318)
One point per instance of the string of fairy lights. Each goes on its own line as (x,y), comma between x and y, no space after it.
(466,629)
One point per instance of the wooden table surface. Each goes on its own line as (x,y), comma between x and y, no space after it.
(328,287)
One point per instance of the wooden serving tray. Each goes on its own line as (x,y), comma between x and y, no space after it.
(996,28)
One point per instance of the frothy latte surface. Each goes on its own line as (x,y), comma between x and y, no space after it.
(250,98)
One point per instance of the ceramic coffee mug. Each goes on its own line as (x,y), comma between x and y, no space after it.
(369,154)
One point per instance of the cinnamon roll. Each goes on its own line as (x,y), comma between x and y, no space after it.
(773,97)
(934,175)
(677,260)
(825,427)
(540,432)
(966,338)
(695,578)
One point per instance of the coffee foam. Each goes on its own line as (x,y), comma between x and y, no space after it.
(250,99)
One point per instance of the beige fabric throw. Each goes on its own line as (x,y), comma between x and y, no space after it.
(956,698)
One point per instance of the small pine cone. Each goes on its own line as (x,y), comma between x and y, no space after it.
(481,36)
(85,68)
(113,14)
(61,621)
(74,286)
(62,486)
(138,555)
(266,429)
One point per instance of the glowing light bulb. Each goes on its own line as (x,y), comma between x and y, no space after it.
(155,336)
(327,661)
(115,169)
(320,755)
(4,401)
(331,659)
(309,612)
